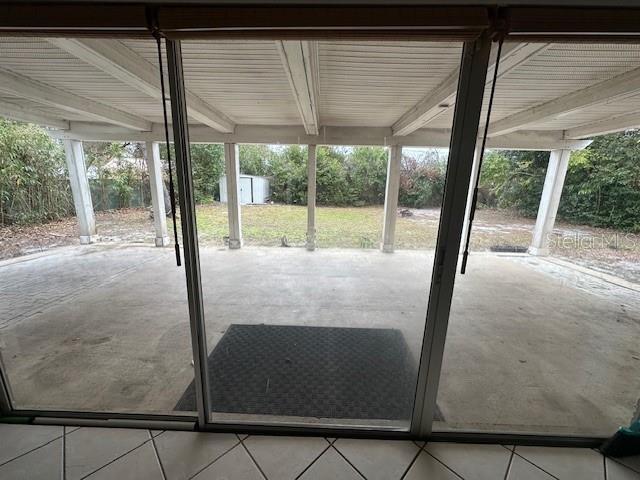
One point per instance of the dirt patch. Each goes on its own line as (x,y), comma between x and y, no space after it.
(606,250)
(23,240)
(131,225)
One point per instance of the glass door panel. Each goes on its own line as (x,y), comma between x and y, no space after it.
(542,336)
(93,310)
(316,238)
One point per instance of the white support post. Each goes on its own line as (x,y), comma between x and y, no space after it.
(475,171)
(391,198)
(80,190)
(156,182)
(549,202)
(311,197)
(232,166)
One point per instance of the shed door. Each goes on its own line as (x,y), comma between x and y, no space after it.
(245,190)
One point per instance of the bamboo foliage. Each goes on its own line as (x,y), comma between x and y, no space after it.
(34,185)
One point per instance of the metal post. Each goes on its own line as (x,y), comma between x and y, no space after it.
(189,230)
(311,197)
(471,84)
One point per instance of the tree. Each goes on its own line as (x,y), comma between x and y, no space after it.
(513,179)
(422,181)
(34,185)
(207,161)
(287,171)
(602,185)
(254,159)
(332,183)
(367,172)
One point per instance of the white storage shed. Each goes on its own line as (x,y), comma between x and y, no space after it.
(253,189)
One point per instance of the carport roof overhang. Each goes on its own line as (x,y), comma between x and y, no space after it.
(354,85)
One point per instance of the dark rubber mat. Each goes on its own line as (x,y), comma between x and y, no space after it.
(326,372)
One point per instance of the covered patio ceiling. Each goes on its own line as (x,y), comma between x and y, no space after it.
(549,96)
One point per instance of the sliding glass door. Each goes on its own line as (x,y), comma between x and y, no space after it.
(313,246)
(261,228)
(93,310)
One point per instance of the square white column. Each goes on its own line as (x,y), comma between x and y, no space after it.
(232,166)
(80,190)
(156,182)
(549,201)
(391,198)
(311,197)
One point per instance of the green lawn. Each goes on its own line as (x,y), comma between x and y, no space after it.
(337,227)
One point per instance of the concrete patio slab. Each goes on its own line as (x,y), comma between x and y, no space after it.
(532,345)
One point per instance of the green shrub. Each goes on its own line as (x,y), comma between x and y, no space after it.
(34,186)
(602,186)
(421,182)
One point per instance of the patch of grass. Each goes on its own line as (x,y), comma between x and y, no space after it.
(337,227)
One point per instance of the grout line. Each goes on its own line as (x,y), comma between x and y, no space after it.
(535,465)
(155,450)
(313,461)
(444,464)
(114,460)
(253,459)
(217,458)
(506,473)
(406,471)
(633,469)
(64,453)
(33,449)
(347,460)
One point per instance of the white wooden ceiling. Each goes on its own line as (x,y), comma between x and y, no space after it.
(357,84)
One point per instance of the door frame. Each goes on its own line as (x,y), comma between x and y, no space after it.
(471,84)
(540,23)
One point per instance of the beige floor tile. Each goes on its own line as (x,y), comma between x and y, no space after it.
(140,464)
(615,471)
(234,465)
(88,449)
(522,470)
(44,463)
(19,439)
(378,459)
(183,454)
(566,463)
(428,468)
(472,461)
(632,462)
(331,466)
(284,458)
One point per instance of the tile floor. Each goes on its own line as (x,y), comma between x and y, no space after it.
(50,452)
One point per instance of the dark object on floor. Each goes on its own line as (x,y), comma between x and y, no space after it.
(625,442)
(320,372)
(508,248)
(405,212)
